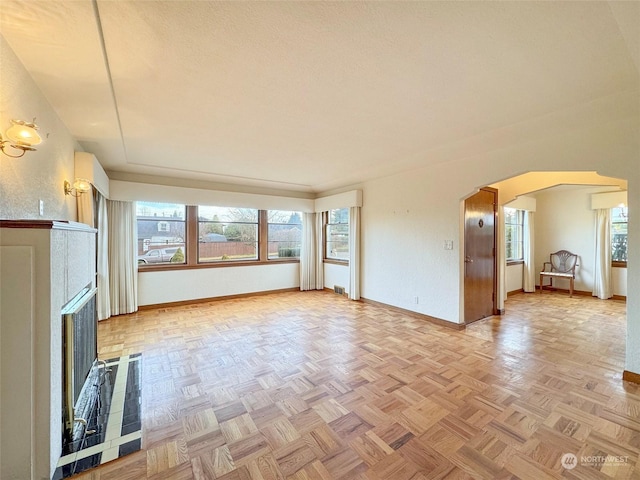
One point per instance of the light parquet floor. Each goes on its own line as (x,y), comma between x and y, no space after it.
(309,385)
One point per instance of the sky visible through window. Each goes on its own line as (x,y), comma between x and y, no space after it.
(153,209)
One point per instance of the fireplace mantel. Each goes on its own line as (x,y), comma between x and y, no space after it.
(47,225)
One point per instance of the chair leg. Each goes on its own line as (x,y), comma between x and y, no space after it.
(540,284)
(570,287)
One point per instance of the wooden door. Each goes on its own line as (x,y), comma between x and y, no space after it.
(480,255)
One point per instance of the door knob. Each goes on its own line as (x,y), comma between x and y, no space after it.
(468,259)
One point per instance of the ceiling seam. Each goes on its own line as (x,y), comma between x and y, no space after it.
(108,68)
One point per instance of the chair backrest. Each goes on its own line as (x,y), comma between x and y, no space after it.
(563,261)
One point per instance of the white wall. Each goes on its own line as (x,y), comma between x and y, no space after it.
(566,208)
(406,217)
(566,221)
(633,277)
(513,279)
(38,175)
(138,191)
(405,222)
(619,281)
(180,285)
(336,275)
(511,188)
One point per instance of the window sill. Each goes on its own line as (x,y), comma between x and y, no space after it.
(515,262)
(619,264)
(184,266)
(333,261)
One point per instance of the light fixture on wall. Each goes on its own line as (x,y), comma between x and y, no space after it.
(21,136)
(80,186)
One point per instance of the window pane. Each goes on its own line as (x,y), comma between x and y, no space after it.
(228,214)
(284,234)
(340,215)
(510,215)
(161,233)
(338,241)
(619,225)
(513,231)
(227,234)
(337,234)
(518,251)
(509,247)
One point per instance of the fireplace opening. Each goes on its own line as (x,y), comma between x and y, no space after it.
(80,359)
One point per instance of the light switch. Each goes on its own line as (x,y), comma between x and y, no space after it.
(41,207)
(448,244)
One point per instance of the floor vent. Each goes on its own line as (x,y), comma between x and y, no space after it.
(338,290)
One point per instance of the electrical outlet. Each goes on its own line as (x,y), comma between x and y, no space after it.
(416,300)
(41,207)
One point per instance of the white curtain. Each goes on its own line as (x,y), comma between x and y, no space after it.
(602,270)
(123,264)
(502,262)
(85,204)
(319,253)
(308,252)
(528,270)
(102,300)
(354,253)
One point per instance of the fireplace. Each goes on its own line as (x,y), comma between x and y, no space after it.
(80,353)
(45,264)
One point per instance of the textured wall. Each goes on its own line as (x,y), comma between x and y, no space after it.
(38,175)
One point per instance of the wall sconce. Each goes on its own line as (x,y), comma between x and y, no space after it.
(80,186)
(21,136)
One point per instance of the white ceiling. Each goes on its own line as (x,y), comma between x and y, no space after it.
(312,96)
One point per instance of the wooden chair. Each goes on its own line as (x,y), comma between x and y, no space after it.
(561,264)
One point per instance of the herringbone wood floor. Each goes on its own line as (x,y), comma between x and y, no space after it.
(313,386)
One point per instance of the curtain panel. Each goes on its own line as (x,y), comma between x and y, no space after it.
(602,266)
(528,248)
(123,263)
(308,252)
(103,298)
(354,253)
(502,262)
(319,253)
(86,207)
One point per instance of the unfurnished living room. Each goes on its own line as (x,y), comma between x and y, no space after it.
(319,240)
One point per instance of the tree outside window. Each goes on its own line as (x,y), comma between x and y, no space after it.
(619,219)
(284,234)
(227,234)
(514,234)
